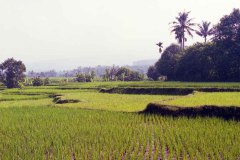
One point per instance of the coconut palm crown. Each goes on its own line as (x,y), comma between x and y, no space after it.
(205,30)
(160,46)
(181,27)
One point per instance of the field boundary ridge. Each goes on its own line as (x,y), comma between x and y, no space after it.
(225,112)
(165,91)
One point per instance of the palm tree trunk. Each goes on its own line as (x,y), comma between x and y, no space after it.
(183,40)
(205,39)
(183,44)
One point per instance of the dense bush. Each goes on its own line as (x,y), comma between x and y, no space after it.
(199,63)
(125,74)
(152,73)
(80,78)
(37,81)
(46,81)
(135,76)
(122,74)
(85,77)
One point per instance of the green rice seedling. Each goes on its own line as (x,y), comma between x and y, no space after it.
(39,129)
(201,99)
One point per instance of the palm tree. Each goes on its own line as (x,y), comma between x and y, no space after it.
(204,30)
(160,46)
(181,25)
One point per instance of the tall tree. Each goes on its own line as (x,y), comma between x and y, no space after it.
(182,26)
(12,72)
(112,72)
(166,65)
(160,46)
(227,38)
(152,73)
(107,74)
(205,30)
(227,31)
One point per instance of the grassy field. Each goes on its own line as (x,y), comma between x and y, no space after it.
(154,84)
(89,99)
(108,126)
(200,98)
(113,102)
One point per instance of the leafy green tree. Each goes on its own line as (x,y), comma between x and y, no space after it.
(205,30)
(92,75)
(106,76)
(46,81)
(166,65)
(88,78)
(122,73)
(182,26)
(12,72)
(227,38)
(126,74)
(215,61)
(227,30)
(135,76)
(198,63)
(80,77)
(37,81)
(152,73)
(112,73)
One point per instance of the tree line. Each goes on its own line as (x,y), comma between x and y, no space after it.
(112,74)
(99,71)
(12,75)
(216,59)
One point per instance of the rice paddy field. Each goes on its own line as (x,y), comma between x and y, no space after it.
(226,99)
(76,121)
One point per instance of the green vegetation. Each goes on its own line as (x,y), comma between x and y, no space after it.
(37,81)
(151,84)
(217,60)
(122,74)
(181,27)
(56,133)
(114,102)
(12,73)
(201,98)
(57,118)
(90,99)
(93,125)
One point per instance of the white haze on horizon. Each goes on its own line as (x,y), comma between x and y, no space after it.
(61,35)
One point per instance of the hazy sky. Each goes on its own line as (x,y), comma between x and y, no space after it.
(64,34)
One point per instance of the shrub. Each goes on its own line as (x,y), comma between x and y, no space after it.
(37,81)
(88,78)
(125,74)
(46,81)
(135,76)
(80,78)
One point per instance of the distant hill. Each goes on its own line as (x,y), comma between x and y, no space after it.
(140,66)
(148,62)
